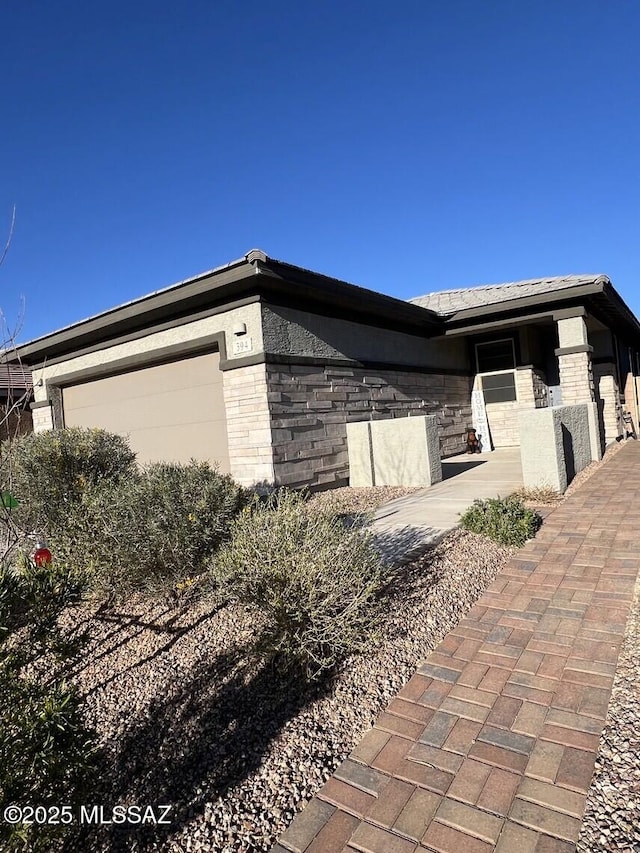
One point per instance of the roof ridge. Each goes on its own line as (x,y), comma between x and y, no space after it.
(519,282)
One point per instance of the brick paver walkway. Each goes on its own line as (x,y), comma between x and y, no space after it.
(491,745)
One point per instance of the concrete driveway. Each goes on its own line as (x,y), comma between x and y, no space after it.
(409,524)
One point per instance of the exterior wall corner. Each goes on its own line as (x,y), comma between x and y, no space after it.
(249,431)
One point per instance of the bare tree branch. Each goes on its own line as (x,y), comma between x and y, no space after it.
(10,237)
(18,394)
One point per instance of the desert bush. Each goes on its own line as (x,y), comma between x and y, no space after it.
(505,520)
(125,528)
(47,754)
(539,494)
(149,530)
(31,600)
(49,472)
(313,579)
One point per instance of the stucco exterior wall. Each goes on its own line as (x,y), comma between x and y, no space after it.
(244,388)
(572,332)
(311,405)
(287,423)
(288,331)
(146,347)
(556,444)
(394,452)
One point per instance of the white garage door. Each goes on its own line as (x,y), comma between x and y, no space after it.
(170,412)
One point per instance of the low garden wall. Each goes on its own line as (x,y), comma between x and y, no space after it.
(396,452)
(556,443)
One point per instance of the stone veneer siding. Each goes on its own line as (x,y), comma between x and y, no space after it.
(609,401)
(576,378)
(42,418)
(504,424)
(311,405)
(504,418)
(246,403)
(576,371)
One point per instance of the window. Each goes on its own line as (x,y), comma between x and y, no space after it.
(499,388)
(495,355)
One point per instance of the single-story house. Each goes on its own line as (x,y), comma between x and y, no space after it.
(258,365)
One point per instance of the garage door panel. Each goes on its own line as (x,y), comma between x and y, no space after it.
(147,410)
(157,380)
(171,412)
(195,442)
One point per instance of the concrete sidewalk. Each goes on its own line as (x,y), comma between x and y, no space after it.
(409,524)
(491,745)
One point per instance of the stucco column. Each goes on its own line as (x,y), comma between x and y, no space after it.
(574,359)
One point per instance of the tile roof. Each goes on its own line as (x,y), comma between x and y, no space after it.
(447,302)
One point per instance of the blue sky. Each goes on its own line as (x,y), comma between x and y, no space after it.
(406,146)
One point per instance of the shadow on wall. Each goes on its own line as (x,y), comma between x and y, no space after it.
(601,429)
(569,455)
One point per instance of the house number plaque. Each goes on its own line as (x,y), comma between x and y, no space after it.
(241,345)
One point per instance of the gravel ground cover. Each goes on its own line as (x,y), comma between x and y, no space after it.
(352,500)
(187,716)
(612,814)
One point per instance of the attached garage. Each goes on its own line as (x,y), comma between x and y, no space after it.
(171,412)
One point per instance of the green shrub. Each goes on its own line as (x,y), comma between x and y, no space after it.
(505,520)
(127,529)
(47,754)
(31,600)
(49,472)
(150,529)
(314,580)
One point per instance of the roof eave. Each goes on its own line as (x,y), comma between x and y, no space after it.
(187,295)
(254,275)
(527,302)
(307,285)
(620,308)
